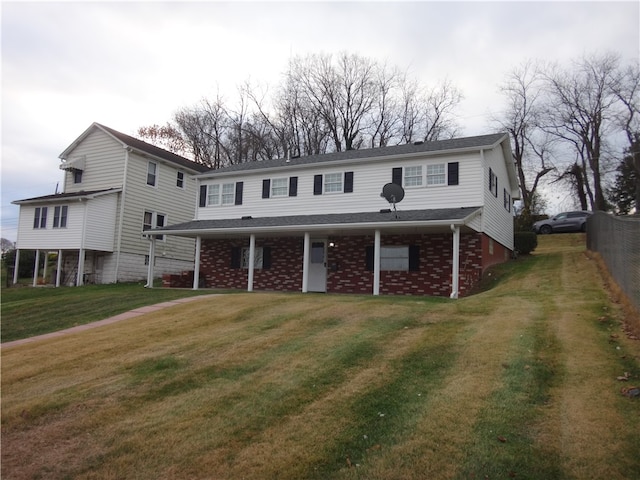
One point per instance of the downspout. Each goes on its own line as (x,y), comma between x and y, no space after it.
(127,149)
(455,270)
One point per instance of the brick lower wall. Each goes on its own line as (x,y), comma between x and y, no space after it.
(346,265)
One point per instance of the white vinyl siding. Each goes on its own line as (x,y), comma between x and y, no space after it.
(369,178)
(497,222)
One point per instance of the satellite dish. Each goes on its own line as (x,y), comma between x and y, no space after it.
(393,193)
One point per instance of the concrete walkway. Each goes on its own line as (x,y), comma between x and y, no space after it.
(107,321)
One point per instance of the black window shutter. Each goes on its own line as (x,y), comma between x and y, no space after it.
(235,257)
(203,195)
(490,180)
(369,258)
(317,185)
(348,182)
(414,258)
(266,188)
(239,186)
(396,176)
(452,173)
(293,186)
(266,258)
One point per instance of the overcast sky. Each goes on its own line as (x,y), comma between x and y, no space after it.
(126,65)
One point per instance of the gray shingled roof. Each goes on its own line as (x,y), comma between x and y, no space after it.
(66,196)
(155,151)
(441,215)
(476,142)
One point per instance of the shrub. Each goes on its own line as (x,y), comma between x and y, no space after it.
(525,242)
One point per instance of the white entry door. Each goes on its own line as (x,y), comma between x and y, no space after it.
(318,266)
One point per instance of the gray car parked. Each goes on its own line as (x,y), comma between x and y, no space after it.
(563,222)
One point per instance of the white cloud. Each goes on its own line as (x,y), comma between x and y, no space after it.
(67,64)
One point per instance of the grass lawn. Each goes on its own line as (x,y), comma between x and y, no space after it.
(519,381)
(28,311)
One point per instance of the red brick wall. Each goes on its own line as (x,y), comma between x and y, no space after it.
(346,265)
(493,253)
(286,265)
(348,273)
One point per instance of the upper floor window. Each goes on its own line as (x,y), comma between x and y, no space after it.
(507,200)
(152,174)
(280,187)
(493,183)
(180,180)
(413,176)
(77,176)
(333,183)
(60,216)
(221,194)
(436,174)
(40,217)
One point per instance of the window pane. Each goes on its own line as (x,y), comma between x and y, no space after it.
(435,174)
(214,195)
(180,180)
(36,218)
(279,187)
(413,176)
(63,217)
(147,222)
(151,174)
(317,252)
(43,217)
(333,182)
(257,259)
(56,217)
(228,193)
(394,258)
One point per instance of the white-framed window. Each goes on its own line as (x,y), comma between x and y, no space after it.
(413,176)
(180,179)
(228,193)
(60,216)
(223,194)
(333,182)
(436,174)
(152,174)
(493,183)
(279,187)
(258,257)
(507,200)
(394,258)
(40,217)
(213,195)
(154,220)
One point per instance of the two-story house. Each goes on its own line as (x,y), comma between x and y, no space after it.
(114,187)
(320,224)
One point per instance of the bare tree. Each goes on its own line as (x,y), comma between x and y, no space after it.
(582,111)
(532,147)
(165,136)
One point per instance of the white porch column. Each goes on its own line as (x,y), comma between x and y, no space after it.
(59,269)
(252,257)
(196,265)
(455,270)
(35,269)
(376,263)
(305,262)
(152,256)
(80,277)
(44,271)
(16,264)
